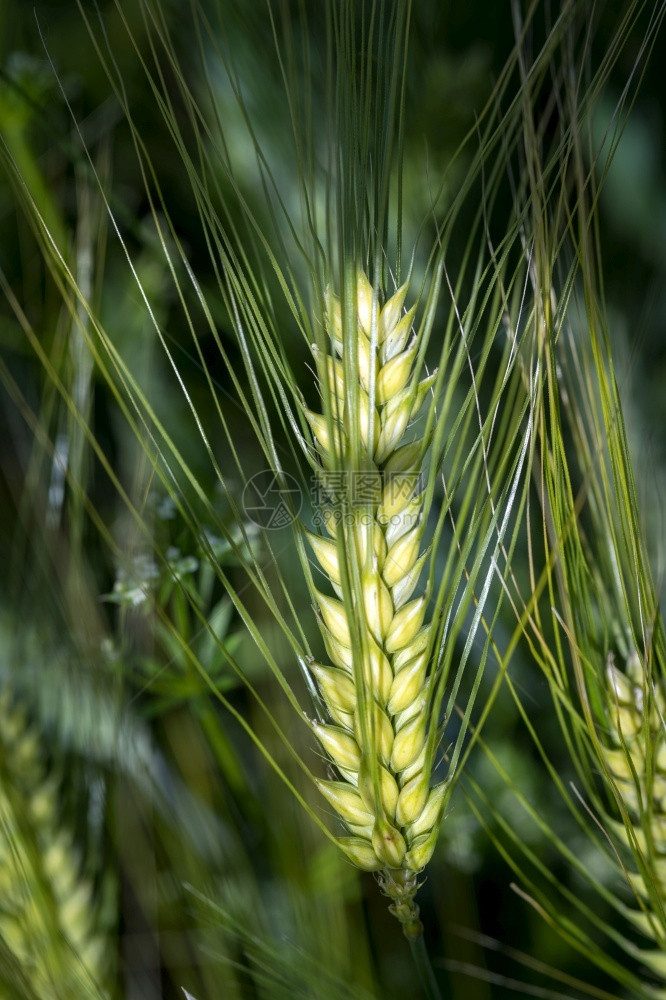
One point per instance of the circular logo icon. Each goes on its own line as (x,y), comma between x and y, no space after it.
(272,501)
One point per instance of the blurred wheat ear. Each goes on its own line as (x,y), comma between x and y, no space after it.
(47,920)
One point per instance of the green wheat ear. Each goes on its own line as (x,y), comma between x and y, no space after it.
(636,759)
(46,915)
(376,686)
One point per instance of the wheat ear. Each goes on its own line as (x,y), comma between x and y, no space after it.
(47,918)
(636,759)
(376,687)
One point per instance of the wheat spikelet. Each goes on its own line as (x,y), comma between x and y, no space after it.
(637,762)
(376,686)
(46,917)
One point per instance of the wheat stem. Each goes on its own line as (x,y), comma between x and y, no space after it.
(424,968)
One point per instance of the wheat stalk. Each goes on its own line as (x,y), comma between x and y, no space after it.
(376,686)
